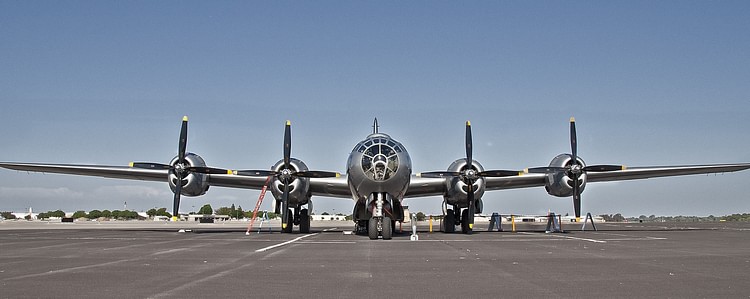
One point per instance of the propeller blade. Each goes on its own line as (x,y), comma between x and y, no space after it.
(255,172)
(438,174)
(470,198)
(604,168)
(285,206)
(469,158)
(149,165)
(499,173)
(573,140)
(177,193)
(209,170)
(287,144)
(183,140)
(576,199)
(543,170)
(317,174)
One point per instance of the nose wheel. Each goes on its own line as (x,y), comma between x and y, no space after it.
(380,226)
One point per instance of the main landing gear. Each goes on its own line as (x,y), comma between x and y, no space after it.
(300,217)
(453,218)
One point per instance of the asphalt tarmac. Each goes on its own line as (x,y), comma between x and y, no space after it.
(154,260)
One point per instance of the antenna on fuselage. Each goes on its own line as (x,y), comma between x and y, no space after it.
(375,126)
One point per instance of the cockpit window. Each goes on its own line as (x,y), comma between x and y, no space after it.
(380,159)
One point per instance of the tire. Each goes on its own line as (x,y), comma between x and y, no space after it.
(449,222)
(465,221)
(372,228)
(289,222)
(304,222)
(387,228)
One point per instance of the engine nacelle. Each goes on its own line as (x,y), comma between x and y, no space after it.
(194,184)
(559,183)
(457,194)
(299,188)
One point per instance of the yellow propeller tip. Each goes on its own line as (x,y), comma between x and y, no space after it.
(184,118)
(229,171)
(471,225)
(131,164)
(283,225)
(338,175)
(624,167)
(468,123)
(288,123)
(572,119)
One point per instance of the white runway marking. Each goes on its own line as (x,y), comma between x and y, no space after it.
(328,242)
(284,243)
(568,237)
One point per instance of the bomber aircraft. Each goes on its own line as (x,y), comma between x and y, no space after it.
(378,178)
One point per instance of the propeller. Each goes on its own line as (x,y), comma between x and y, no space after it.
(180,169)
(469,175)
(574,170)
(286,174)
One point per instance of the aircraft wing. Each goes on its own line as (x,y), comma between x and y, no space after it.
(633,173)
(335,187)
(420,186)
(117,172)
(636,173)
(338,187)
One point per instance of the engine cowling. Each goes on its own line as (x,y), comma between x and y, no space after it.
(457,194)
(299,188)
(194,184)
(559,183)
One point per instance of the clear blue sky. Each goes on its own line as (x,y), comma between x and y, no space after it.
(107,82)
